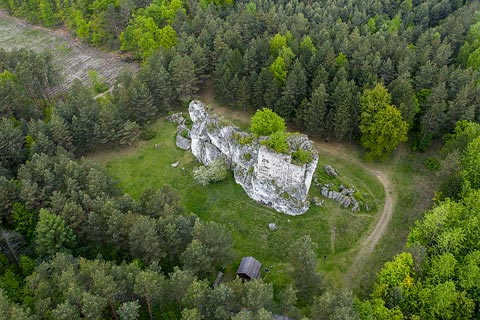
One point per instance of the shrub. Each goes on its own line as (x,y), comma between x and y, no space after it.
(265,122)
(184,133)
(242,140)
(432,164)
(302,156)
(98,84)
(247,156)
(246,140)
(278,142)
(216,171)
(148,133)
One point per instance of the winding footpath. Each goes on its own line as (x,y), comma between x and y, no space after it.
(367,246)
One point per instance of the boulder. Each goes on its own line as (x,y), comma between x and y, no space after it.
(345,197)
(356,206)
(316,201)
(183,143)
(324,192)
(177,118)
(329,170)
(272,226)
(182,140)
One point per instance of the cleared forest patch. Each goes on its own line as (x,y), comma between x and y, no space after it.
(73,59)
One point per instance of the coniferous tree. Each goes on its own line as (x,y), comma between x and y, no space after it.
(344,112)
(52,235)
(304,261)
(184,81)
(315,115)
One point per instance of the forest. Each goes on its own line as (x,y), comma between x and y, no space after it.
(374,73)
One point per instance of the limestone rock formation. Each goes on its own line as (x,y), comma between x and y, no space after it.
(344,196)
(183,137)
(329,170)
(177,118)
(268,177)
(183,133)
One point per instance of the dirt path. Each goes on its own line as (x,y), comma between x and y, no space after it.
(366,247)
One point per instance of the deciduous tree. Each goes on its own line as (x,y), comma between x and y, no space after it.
(265,122)
(381,125)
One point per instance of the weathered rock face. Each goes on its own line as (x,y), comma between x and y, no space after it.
(182,140)
(267,177)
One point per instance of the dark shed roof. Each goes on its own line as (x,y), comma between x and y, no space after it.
(249,268)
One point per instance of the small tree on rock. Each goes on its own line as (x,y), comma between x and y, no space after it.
(265,122)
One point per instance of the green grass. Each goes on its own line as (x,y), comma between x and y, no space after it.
(225,202)
(414,186)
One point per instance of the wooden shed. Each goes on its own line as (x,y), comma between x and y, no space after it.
(249,268)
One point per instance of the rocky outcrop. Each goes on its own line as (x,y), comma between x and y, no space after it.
(344,196)
(183,140)
(177,118)
(268,177)
(330,171)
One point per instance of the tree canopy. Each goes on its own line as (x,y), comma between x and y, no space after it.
(266,122)
(381,124)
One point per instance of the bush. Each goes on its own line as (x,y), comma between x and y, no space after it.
(432,164)
(184,133)
(266,122)
(242,140)
(98,84)
(147,133)
(278,142)
(246,140)
(301,156)
(216,171)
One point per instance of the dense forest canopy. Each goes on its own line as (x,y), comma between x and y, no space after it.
(74,246)
(309,61)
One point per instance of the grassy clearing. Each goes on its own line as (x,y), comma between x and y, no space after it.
(142,166)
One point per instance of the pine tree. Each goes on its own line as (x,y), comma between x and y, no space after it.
(344,110)
(184,81)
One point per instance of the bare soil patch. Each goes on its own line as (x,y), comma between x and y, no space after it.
(72,58)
